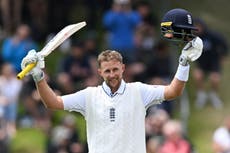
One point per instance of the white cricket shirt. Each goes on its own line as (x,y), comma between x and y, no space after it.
(115,122)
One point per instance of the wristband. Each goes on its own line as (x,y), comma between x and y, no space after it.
(182,73)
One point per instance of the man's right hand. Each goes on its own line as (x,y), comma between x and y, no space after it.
(34,57)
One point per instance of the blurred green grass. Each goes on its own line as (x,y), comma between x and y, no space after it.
(202,123)
(28,140)
(33,140)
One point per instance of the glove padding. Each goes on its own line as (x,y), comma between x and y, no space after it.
(34,57)
(192,51)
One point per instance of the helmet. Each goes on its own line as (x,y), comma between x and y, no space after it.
(177,24)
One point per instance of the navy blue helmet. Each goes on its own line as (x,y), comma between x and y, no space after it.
(177,24)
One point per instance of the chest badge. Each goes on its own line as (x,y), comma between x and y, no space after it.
(112,114)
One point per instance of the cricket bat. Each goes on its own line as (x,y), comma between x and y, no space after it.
(58,39)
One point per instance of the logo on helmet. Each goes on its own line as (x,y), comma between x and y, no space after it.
(189,19)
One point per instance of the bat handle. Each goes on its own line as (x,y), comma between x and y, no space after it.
(27,69)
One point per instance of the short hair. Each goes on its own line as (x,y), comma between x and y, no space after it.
(109,55)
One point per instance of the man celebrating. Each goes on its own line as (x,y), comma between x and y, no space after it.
(115,111)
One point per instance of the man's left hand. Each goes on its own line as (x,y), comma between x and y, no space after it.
(192,51)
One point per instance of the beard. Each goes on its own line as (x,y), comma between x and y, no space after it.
(113,83)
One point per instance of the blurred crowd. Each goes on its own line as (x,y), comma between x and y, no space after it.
(127,26)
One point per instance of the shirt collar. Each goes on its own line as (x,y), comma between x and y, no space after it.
(120,90)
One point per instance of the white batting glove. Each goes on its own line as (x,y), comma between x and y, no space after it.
(34,57)
(191,52)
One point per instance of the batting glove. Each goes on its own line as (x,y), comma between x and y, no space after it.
(34,57)
(191,52)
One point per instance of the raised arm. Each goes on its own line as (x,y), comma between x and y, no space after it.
(48,96)
(190,53)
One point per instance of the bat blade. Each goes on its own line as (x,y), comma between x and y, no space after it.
(59,38)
